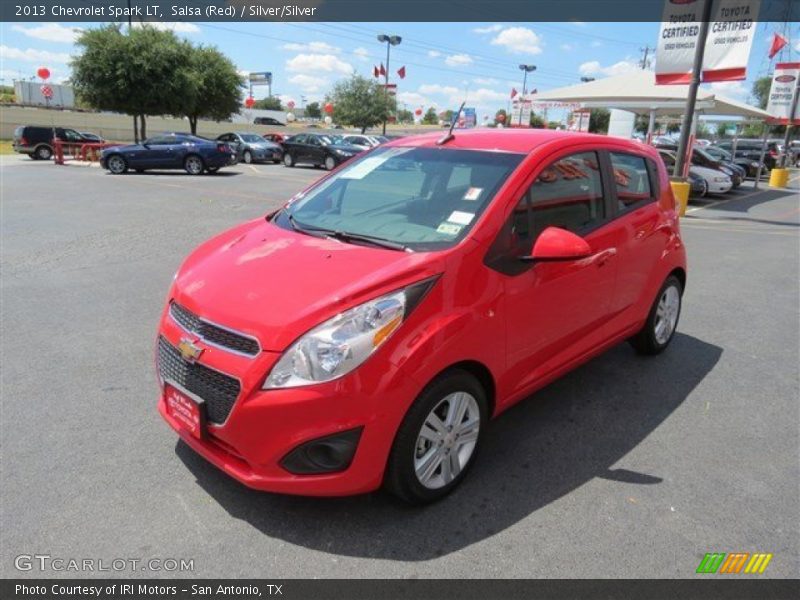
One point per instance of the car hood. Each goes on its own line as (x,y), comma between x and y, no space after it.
(276,284)
(707,173)
(345,147)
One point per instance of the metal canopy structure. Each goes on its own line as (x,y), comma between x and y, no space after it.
(637,92)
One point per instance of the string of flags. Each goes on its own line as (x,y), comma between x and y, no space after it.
(381,71)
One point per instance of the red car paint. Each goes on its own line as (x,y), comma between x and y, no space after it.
(517,332)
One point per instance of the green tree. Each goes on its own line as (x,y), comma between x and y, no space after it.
(313,111)
(144,72)
(215,87)
(760,90)
(405,116)
(270,103)
(598,120)
(447,115)
(501,116)
(537,122)
(360,102)
(722,129)
(430,118)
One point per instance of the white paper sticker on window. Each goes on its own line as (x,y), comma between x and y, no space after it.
(473,193)
(462,218)
(449,228)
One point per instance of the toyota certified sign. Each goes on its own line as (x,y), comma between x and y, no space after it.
(730,38)
(781,93)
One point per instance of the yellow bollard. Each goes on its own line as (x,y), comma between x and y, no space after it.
(778,177)
(680,189)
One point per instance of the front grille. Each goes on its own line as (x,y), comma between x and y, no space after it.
(217,389)
(213,334)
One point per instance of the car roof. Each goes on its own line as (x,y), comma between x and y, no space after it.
(515,140)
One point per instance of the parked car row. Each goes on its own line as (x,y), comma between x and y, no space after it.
(703,179)
(37,141)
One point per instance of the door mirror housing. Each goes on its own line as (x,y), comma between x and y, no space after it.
(557,244)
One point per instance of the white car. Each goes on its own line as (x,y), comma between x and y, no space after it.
(718,182)
(365,142)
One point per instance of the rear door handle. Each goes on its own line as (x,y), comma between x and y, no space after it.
(601,258)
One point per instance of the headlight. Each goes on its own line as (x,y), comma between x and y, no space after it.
(721,179)
(342,343)
(343,153)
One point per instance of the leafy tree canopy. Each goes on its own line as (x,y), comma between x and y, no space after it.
(360,102)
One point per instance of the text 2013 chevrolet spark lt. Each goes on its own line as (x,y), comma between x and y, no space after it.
(364,334)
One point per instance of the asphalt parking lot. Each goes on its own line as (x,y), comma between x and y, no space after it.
(627,467)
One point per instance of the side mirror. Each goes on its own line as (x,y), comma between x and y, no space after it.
(556,244)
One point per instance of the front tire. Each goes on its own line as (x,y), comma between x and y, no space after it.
(193,165)
(438,440)
(330,163)
(247,157)
(116,164)
(662,321)
(288,160)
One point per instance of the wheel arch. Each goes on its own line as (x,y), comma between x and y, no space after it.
(680,273)
(480,372)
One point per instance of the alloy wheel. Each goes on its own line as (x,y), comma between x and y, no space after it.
(447,440)
(44,153)
(194,166)
(330,163)
(247,156)
(667,314)
(116,164)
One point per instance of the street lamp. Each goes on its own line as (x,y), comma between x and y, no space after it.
(525,69)
(389,40)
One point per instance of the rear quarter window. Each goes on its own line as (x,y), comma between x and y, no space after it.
(632,179)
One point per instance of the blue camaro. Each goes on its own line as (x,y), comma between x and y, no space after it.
(169,151)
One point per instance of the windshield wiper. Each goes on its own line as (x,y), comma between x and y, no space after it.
(344,236)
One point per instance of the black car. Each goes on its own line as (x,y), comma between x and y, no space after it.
(268,121)
(701,158)
(37,141)
(251,147)
(751,149)
(317,149)
(749,166)
(192,153)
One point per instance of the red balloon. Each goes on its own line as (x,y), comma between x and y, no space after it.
(328,107)
(418,112)
(43,72)
(249,102)
(290,104)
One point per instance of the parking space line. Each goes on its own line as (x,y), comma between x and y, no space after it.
(709,226)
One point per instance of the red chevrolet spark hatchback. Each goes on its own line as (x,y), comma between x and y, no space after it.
(366,333)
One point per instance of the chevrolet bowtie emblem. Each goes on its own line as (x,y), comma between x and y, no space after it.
(189,350)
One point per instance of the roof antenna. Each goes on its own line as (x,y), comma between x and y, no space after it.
(450,135)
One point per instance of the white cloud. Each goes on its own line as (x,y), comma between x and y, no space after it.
(413,99)
(50,32)
(482,97)
(315,63)
(176,26)
(33,55)
(458,60)
(567,47)
(736,90)
(433,89)
(308,83)
(519,40)
(596,44)
(316,47)
(434,54)
(361,53)
(594,67)
(485,81)
(489,29)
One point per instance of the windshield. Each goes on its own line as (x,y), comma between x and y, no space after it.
(252,138)
(718,153)
(421,198)
(330,139)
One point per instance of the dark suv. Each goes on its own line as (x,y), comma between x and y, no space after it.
(37,141)
(751,149)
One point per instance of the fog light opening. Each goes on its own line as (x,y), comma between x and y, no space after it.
(327,454)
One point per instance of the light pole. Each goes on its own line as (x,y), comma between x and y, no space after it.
(389,40)
(525,69)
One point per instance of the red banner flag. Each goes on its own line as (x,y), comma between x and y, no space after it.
(375,72)
(778,42)
(402,72)
(514,92)
(382,70)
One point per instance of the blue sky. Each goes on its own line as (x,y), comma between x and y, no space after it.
(443,60)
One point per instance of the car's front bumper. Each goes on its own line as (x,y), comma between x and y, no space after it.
(719,188)
(265,425)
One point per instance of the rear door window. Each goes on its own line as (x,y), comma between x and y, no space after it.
(631,179)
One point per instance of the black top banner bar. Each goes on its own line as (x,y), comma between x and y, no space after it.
(364,10)
(710,588)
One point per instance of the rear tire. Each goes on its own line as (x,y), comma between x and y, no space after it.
(288,160)
(44,152)
(193,165)
(662,321)
(434,448)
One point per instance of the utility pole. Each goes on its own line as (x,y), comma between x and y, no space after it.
(389,40)
(644,64)
(789,122)
(135,118)
(691,99)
